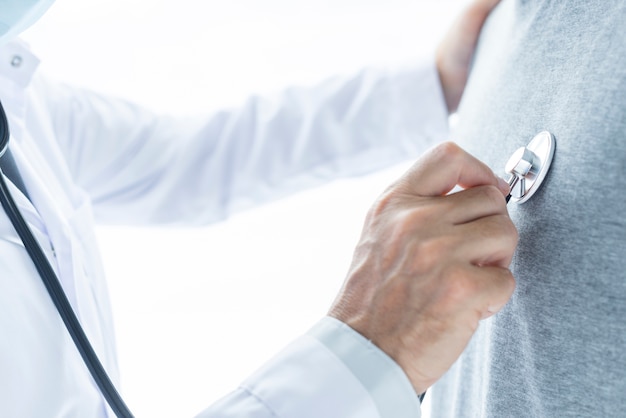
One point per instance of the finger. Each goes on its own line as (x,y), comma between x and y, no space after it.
(494,287)
(489,241)
(446,166)
(471,204)
(484,290)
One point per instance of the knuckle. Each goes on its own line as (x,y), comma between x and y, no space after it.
(494,197)
(503,287)
(417,215)
(422,213)
(427,254)
(501,225)
(509,282)
(458,285)
(392,199)
(508,228)
(381,205)
(448,151)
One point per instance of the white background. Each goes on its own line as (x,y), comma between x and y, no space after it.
(197,310)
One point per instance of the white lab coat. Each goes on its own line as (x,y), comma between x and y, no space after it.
(86,157)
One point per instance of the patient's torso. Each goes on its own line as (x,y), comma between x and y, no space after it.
(558,349)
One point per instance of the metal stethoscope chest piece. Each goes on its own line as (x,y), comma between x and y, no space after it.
(529,165)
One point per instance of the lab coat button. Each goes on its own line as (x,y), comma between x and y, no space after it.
(16,61)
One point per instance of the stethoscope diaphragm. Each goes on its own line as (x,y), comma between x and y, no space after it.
(529,166)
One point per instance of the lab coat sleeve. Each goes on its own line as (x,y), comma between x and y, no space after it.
(330,372)
(141,168)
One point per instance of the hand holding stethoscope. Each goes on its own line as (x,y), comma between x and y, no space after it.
(528,166)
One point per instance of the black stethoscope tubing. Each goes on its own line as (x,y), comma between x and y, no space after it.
(55,290)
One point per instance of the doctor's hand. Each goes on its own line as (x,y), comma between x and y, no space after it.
(455,51)
(430,265)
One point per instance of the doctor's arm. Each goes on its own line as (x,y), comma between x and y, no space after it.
(139,167)
(142,168)
(428,267)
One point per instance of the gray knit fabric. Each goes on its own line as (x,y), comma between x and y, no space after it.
(558,349)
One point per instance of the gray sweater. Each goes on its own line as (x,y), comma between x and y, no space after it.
(558,349)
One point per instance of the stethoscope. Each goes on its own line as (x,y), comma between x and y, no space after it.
(528,167)
(54,288)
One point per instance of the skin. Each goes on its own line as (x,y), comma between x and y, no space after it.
(455,51)
(430,264)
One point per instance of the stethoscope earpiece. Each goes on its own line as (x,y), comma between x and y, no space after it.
(529,165)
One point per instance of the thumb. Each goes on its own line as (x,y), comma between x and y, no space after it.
(445,166)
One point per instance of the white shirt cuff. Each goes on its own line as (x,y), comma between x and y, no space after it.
(384,380)
(331,372)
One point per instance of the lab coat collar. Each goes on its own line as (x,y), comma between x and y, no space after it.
(17,62)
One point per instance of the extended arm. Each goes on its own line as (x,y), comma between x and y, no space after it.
(142,168)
